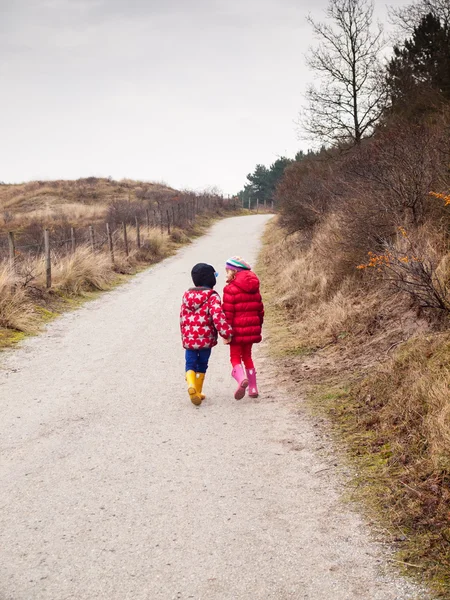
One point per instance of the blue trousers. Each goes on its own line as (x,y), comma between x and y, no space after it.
(197,360)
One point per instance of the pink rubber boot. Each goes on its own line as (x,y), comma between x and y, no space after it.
(239,375)
(252,387)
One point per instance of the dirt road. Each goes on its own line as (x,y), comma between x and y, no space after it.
(113,486)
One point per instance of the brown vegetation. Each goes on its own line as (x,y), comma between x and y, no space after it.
(357,273)
(166,219)
(359,265)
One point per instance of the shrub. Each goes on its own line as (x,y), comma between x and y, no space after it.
(16,312)
(178,236)
(82,271)
(408,268)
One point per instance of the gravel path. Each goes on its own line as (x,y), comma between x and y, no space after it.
(113,486)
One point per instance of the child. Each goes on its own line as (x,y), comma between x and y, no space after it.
(244,310)
(201,319)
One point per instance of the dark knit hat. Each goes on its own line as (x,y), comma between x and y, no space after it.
(204,275)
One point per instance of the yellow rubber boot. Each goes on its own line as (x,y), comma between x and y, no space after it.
(199,380)
(192,390)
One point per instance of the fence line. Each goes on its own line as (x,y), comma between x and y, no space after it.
(180,214)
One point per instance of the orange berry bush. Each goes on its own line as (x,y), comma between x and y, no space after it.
(406,269)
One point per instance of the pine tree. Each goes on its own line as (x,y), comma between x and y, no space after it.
(422,64)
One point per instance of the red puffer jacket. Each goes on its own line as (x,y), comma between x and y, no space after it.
(243,307)
(201,319)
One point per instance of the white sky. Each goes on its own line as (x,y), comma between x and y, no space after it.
(190,92)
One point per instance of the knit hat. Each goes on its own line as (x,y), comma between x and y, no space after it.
(204,275)
(236,263)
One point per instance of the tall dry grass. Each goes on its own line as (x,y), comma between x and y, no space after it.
(322,307)
(81,214)
(82,271)
(23,290)
(381,375)
(16,310)
(33,195)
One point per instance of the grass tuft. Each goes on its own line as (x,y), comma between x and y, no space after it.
(16,311)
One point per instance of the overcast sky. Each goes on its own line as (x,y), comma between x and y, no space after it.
(191,92)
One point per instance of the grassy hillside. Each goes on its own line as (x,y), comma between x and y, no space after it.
(76,212)
(377,366)
(81,202)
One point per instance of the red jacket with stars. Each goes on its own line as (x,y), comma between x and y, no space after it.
(202,319)
(243,308)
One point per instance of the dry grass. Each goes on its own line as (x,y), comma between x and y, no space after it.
(16,311)
(81,214)
(91,190)
(59,205)
(80,202)
(154,244)
(178,236)
(397,424)
(322,309)
(381,374)
(82,272)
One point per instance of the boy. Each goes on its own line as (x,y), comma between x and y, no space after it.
(201,320)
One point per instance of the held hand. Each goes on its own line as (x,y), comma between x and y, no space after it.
(228,341)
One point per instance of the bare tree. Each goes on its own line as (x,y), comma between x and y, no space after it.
(407,17)
(348,100)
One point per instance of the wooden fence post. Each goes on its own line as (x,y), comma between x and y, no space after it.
(138,233)
(162,220)
(168,221)
(272,205)
(110,243)
(12,250)
(73,241)
(92,237)
(125,237)
(48,261)
(147,216)
(257,204)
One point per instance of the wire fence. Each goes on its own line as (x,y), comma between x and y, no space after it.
(125,233)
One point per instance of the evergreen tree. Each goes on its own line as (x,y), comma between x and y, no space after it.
(422,63)
(263,182)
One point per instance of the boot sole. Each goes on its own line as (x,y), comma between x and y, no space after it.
(240,392)
(195,399)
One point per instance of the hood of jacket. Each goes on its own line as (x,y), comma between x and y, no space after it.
(246,281)
(194,298)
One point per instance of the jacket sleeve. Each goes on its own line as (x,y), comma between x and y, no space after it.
(228,305)
(182,316)
(218,317)
(261,311)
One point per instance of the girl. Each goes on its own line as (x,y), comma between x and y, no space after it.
(244,310)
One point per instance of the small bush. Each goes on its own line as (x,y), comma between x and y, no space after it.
(82,271)
(155,243)
(178,236)
(16,311)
